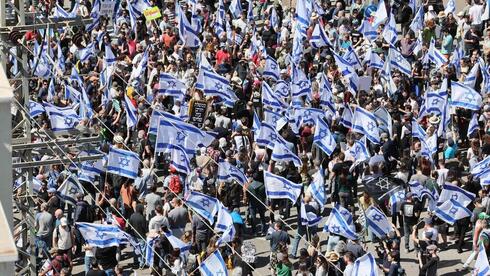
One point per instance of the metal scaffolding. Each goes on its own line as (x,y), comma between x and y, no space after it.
(25,153)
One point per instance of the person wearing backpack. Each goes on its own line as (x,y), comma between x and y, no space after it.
(256,195)
(173,181)
(59,262)
(83,211)
(64,237)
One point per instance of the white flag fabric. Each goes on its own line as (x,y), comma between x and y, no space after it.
(365,266)
(465,97)
(378,222)
(277,187)
(204,205)
(365,123)
(214,265)
(323,138)
(123,162)
(456,193)
(482,267)
(450,211)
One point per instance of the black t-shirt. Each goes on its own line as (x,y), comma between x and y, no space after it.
(106,257)
(95,273)
(409,211)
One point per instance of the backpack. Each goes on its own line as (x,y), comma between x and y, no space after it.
(91,213)
(175,184)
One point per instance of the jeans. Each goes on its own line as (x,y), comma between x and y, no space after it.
(86,262)
(407,230)
(42,245)
(140,258)
(253,213)
(297,237)
(110,272)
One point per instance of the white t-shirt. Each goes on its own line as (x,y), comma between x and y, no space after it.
(476,12)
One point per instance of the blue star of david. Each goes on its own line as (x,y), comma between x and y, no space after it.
(272,136)
(470,97)
(371,126)
(274,118)
(344,213)
(273,66)
(182,158)
(400,194)
(454,196)
(218,85)
(284,90)
(73,190)
(220,272)
(377,217)
(323,133)
(123,161)
(205,202)
(303,84)
(233,169)
(172,84)
(453,210)
(91,163)
(307,113)
(287,187)
(180,137)
(32,105)
(99,234)
(68,121)
(435,101)
(399,58)
(335,229)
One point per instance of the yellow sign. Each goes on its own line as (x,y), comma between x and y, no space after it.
(152,13)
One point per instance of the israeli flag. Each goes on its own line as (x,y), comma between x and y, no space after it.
(281,153)
(389,32)
(445,121)
(150,250)
(435,100)
(35,109)
(317,187)
(304,8)
(380,15)
(482,267)
(375,61)
(131,113)
(343,64)
(271,69)
(300,84)
(101,235)
(94,167)
(378,222)
(347,118)
(220,17)
(482,168)
(204,205)
(274,19)
(456,193)
(319,38)
(227,173)
(297,51)
(109,57)
(384,120)
(178,244)
(256,122)
(396,200)
(213,84)
(187,33)
(323,138)
(69,189)
(140,69)
(399,62)
(417,130)
(450,211)
(308,218)
(473,125)
(470,79)
(359,150)
(365,123)
(270,99)
(61,118)
(367,30)
(60,13)
(224,224)
(337,224)
(267,137)
(87,52)
(178,158)
(282,88)
(451,7)
(277,187)
(213,265)
(420,191)
(123,162)
(435,55)
(351,57)
(365,266)
(250,12)
(464,96)
(236,8)
(72,94)
(418,21)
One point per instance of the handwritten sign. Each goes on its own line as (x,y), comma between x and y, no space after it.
(197,113)
(107,8)
(152,13)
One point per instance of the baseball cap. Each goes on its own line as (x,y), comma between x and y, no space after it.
(483,215)
(64,221)
(432,247)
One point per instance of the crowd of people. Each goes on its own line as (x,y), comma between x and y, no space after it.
(253,119)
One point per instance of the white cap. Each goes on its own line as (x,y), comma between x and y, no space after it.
(281,123)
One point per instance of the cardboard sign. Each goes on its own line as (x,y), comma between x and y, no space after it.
(197,113)
(107,8)
(152,13)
